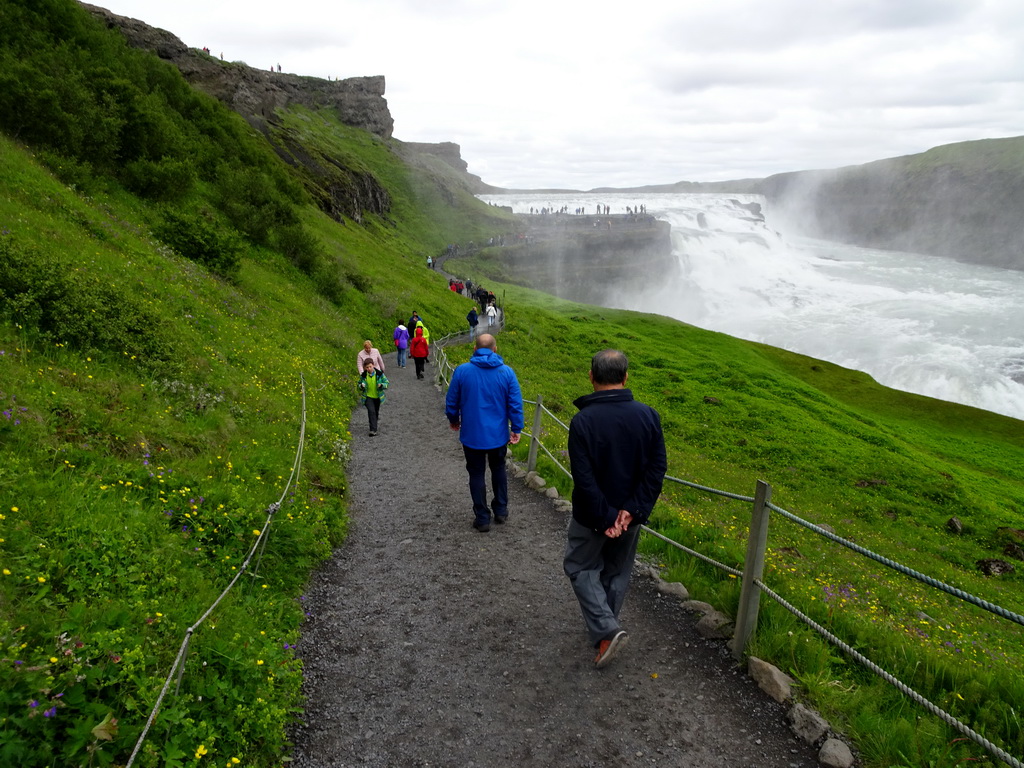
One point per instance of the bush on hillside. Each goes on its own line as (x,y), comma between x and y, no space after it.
(166,180)
(65,303)
(198,237)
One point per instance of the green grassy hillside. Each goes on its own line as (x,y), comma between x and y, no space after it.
(169,291)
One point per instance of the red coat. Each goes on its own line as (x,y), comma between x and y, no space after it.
(418,347)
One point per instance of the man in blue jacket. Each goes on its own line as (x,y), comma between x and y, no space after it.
(618,463)
(484,404)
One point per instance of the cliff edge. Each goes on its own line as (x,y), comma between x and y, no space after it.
(255,93)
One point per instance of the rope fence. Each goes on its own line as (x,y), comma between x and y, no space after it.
(257,549)
(753,585)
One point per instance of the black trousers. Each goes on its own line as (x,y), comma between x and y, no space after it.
(419,366)
(373,410)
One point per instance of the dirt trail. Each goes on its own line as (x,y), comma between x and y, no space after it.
(430,644)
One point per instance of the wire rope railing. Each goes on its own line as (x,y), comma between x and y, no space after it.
(178,667)
(906,690)
(998,610)
(753,585)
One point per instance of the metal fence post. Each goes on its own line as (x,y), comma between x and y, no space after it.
(753,569)
(531,460)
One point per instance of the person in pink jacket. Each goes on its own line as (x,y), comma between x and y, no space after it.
(369,352)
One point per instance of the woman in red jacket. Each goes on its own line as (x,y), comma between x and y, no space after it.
(419,350)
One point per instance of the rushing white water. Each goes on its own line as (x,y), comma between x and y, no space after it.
(923,324)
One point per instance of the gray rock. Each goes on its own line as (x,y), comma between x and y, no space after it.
(642,569)
(715,626)
(993,566)
(770,679)
(699,606)
(807,724)
(551,493)
(673,588)
(535,481)
(835,754)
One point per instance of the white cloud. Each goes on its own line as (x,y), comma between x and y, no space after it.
(547,94)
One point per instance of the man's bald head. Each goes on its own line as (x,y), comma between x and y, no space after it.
(486,341)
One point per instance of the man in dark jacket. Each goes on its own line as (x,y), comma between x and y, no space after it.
(618,462)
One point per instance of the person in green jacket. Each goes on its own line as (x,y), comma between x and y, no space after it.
(373,386)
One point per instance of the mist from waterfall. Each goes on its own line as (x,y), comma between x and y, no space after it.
(923,324)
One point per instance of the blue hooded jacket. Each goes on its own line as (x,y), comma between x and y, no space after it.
(485,397)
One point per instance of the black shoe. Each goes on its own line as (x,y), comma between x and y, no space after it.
(373,433)
(500,520)
(482,527)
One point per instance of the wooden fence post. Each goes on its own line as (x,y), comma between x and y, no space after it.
(753,569)
(531,460)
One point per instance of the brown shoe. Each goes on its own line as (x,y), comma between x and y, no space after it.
(609,647)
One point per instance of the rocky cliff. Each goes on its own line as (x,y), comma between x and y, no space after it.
(590,259)
(255,93)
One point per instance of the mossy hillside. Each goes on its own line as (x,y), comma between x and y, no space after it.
(429,200)
(885,469)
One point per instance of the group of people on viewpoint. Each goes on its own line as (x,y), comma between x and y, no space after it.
(616,454)
(600,209)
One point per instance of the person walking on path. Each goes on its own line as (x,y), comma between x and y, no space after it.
(372,387)
(419,350)
(492,313)
(401,344)
(474,320)
(413,319)
(485,405)
(422,326)
(618,464)
(369,352)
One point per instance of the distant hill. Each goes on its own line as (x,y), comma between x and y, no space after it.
(962,201)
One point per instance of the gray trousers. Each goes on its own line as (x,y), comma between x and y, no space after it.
(599,569)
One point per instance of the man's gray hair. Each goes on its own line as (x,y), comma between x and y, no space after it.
(609,367)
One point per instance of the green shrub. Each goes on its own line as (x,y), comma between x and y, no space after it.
(197,236)
(65,303)
(166,180)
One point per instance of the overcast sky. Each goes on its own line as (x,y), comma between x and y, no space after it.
(553,93)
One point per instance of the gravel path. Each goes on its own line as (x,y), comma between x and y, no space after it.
(430,644)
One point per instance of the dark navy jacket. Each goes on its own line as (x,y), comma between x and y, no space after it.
(617,457)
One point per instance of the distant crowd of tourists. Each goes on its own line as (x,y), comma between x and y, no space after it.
(599,210)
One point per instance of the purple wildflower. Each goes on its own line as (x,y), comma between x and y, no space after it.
(51,711)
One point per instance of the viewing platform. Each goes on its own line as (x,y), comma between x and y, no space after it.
(581,257)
